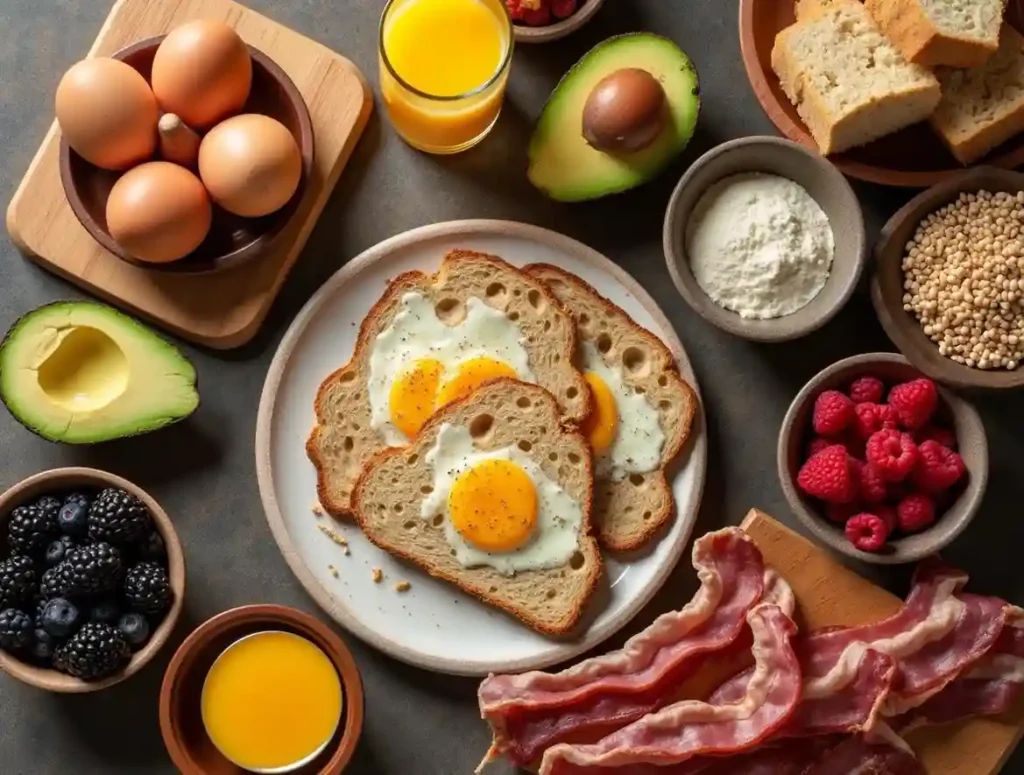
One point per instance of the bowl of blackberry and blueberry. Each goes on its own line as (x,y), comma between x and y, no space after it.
(91,579)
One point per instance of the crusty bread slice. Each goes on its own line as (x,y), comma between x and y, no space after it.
(984,107)
(934,33)
(849,84)
(628,513)
(502,413)
(343,439)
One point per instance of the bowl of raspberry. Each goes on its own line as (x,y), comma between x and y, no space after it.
(879,462)
(92,580)
(541,21)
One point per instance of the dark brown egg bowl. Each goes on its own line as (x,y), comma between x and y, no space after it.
(181,721)
(232,240)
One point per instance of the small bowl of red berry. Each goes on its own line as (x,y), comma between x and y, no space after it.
(879,462)
(541,21)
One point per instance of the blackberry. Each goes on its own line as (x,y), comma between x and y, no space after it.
(94,652)
(151,547)
(134,629)
(88,570)
(105,612)
(32,527)
(73,517)
(15,630)
(118,517)
(42,646)
(17,581)
(60,618)
(57,550)
(147,589)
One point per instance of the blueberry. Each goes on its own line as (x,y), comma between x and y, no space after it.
(42,646)
(152,547)
(135,629)
(57,550)
(60,617)
(73,517)
(106,612)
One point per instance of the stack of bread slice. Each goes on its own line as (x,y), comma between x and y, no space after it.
(542,422)
(859,71)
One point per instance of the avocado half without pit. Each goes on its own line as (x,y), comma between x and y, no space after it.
(81,372)
(617,119)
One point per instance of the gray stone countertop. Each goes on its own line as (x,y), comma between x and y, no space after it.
(203,470)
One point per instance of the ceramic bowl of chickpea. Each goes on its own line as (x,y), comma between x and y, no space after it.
(948,284)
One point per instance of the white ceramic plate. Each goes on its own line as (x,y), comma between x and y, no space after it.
(433,624)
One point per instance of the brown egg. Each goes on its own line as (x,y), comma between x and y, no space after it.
(158,212)
(107,113)
(625,112)
(202,72)
(250,164)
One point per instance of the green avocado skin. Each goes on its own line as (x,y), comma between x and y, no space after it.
(565,167)
(158,385)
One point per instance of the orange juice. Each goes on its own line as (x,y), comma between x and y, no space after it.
(444,66)
(271,702)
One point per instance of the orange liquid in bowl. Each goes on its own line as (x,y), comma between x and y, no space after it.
(271,702)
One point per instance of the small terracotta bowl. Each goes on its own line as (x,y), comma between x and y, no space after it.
(232,240)
(558,30)
(65,480)
(955,413)
(887,282)
(827,187)
(181,721)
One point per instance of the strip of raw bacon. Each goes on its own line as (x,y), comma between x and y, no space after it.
(680,732)
(532,711)
(861,755)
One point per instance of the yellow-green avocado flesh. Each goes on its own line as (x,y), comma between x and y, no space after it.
(81,372)
(565,167)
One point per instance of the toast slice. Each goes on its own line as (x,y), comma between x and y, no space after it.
(984,107)
(344,437)
(934,33)
(630,511)
(849,84)
(503,414)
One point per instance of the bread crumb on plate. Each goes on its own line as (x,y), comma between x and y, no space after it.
(402,586)
(317,509)
(378,575)
(336,537)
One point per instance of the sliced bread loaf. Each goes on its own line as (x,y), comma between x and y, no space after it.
(933,33)
(630,508)
(849,84)
(346,433)
(983,107)
(503,416)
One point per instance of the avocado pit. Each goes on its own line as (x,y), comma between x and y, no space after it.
(626,112)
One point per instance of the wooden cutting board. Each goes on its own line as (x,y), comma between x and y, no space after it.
(829,594)
(221,310)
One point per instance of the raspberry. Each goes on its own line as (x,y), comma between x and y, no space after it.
(833,413)
(871,418)
(828,476)
(840,513)
(915,512)
(563,9)
(871,483)
(818,443)
(914,402)
(867,390)
(867,532)
(944,436)
(937,469)
(893,454)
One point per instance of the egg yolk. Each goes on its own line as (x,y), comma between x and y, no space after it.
(471,375)
(493,505)
(603,420)
(411,401)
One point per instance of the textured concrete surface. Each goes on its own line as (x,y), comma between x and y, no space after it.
(202,471)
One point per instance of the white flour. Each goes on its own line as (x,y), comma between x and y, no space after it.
(759,245)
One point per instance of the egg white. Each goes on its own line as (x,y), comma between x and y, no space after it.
(639,438)
(416,332)
(559,517)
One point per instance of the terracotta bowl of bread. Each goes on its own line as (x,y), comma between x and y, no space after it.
(956,507)
(181,724)
(903,327)
(585,11)
(827,187)
(232,240)
(64,480)
(914,156)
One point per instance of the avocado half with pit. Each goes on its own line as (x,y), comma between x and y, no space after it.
(81,372)
(616,119)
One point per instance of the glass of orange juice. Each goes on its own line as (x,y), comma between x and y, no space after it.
(443,69)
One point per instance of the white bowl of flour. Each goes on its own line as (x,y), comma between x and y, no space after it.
(765,239)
